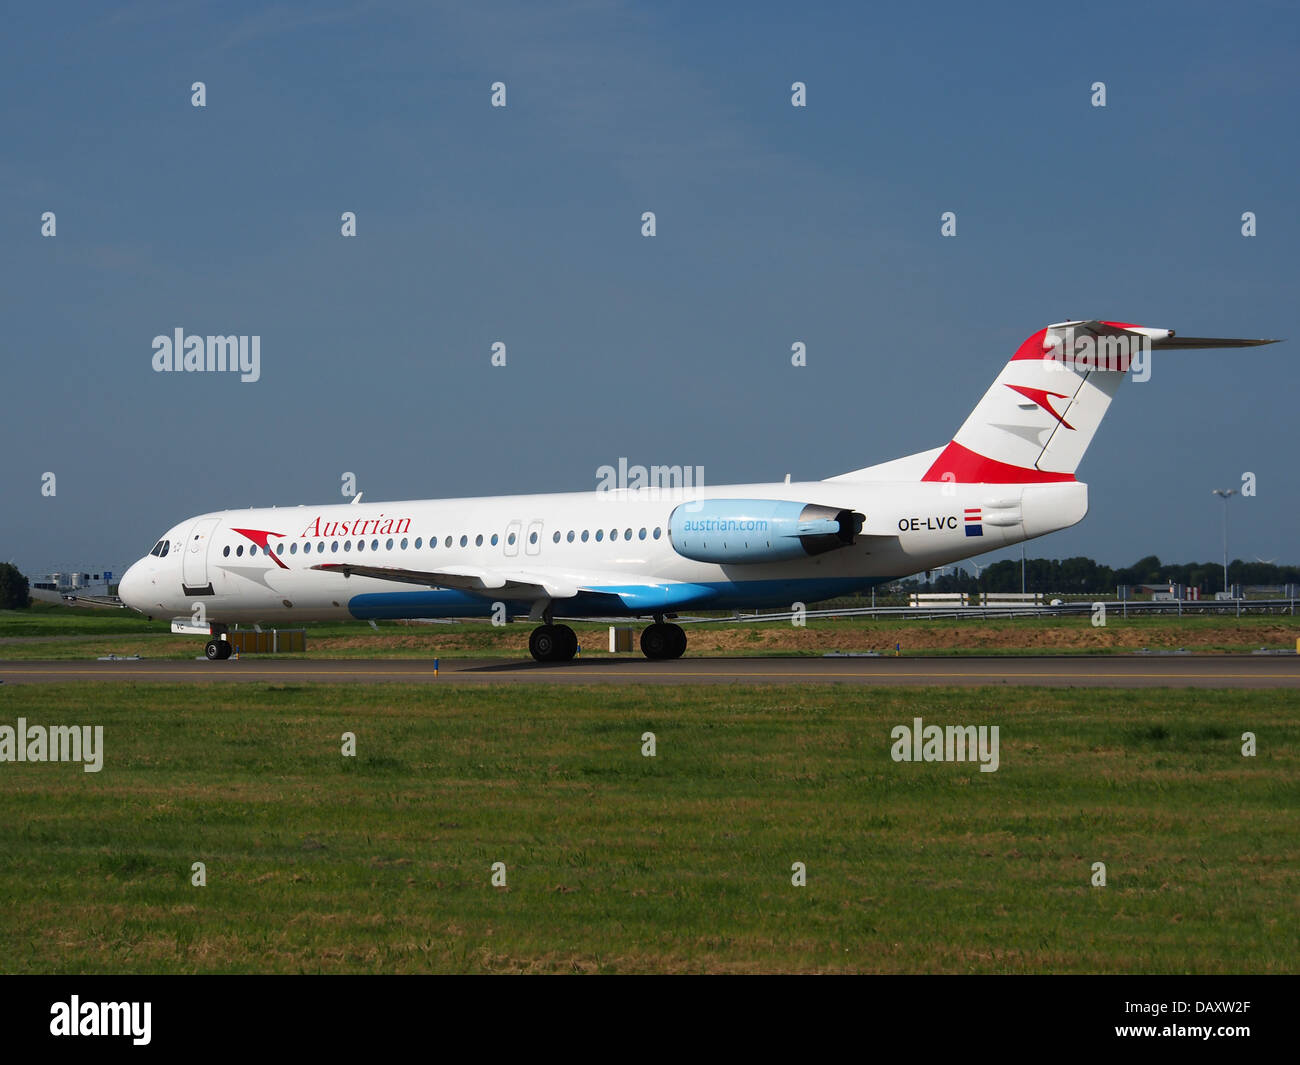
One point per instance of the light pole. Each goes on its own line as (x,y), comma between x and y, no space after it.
(979,588)
(1224,493)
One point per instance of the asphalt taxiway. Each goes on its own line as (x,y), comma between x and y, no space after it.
(1126,671)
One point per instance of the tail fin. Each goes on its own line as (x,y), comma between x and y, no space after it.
(1038,419)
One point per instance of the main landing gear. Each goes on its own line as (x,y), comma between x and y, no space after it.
(553,643)
(662,640)
(559,643)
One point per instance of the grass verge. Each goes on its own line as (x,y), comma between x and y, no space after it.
(618,862)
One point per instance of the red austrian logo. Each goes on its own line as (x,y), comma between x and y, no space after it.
(260,537)
(1040,396)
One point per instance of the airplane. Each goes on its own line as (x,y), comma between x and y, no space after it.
(1008,475)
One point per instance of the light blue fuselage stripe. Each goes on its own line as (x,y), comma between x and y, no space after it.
(616,600)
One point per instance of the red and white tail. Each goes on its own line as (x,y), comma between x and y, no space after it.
(1038,419)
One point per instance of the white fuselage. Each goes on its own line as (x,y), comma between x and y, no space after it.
(611,552)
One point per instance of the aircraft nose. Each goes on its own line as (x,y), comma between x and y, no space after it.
(133,588)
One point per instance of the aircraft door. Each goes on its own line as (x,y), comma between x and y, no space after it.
(194,564)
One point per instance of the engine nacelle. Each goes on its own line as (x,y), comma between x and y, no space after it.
(759,530)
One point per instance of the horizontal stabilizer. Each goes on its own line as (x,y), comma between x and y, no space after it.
(1208,342)
(1164,339)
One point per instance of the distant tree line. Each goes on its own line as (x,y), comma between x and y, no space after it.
(1085,576)
(13,588)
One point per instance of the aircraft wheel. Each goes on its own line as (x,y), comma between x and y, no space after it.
(544,642)
(657,641)
(217,650)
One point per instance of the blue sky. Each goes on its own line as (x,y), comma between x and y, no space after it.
(522,225)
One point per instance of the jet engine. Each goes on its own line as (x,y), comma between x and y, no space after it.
(759,530)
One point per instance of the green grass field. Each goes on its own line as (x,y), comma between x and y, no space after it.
(621,863)
(57,633)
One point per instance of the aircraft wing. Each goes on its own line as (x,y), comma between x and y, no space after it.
(490,583)
(632,591)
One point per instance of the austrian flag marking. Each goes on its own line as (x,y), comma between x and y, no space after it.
(974,522)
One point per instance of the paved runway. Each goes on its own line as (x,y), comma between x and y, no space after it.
(1127,671)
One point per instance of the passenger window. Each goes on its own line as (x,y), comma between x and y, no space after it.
(512,538)
(641,534)
(239,551)
(419,540)
(495,538)
(447,542)
(293,548)
(390,544)
(656,532)
(570,536)
(279,549)
(584,536)
(225,551)
(555,536)
(600,535)
(478,540)
(464,541)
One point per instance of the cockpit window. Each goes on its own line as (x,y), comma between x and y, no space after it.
(160,548)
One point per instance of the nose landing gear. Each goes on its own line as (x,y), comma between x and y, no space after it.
(217,650)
